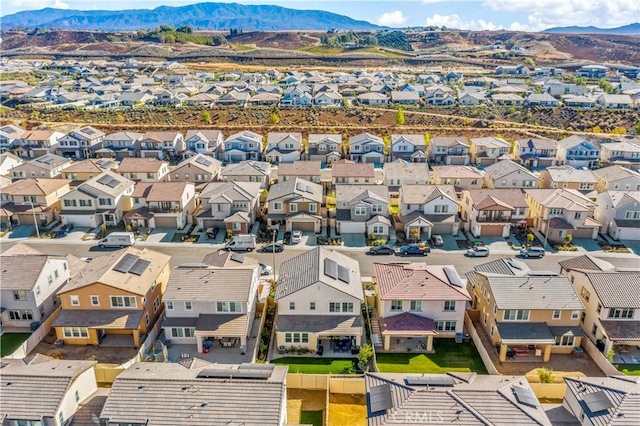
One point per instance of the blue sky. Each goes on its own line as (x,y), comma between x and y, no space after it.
(525,15)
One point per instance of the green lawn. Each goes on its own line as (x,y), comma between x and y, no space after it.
(311,418)
(448,356)
(629,369)
(317,365)
(10,341)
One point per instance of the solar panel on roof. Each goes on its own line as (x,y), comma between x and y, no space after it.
(126,263)
(88,131)
(104,179)
(269,367)
(240,258)
(8,130)
(526,396)
(113,182)
(202,160)
(430,380)
(139,267)
(226,373)
(597,401)
(453,276)
(331,268)
(343,274)
(380,398)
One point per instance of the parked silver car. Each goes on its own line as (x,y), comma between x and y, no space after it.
(478,252)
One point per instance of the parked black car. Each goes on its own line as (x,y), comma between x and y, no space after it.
(287,237)
(64,231)
(269,248)
(381,250)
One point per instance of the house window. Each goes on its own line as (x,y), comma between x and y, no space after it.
(360,211)
(563,340)
(288,338)
(123,302)
(156,304)
(516,315)
(312,306)
(378,229)
(69,203)
(146,318)
(75,332)
(347,306)
(237,226)
(77,395)
(21,314)
(313,207)
(305,337)
(396,305)
(292,306)
(75,300)
(441,209)
(182,332)
(594,330)
(104,201)
(575,314)
(85,203)
(599,308)
(491,331)
(95,300)
(293,208)
(620,313)
(19,295)
(50,279)
(229,306)
(495,311)
(168,305)
(416,305)
(585,294)
(37,290)
(188,306)
(376,208)
(446,325)
(577,215)
(449,305)
(485,317)
(557,314)
(296,337)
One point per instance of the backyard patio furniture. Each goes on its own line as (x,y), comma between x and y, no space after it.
(185,355)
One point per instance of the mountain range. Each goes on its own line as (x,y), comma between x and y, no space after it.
(631,29)
(202,16)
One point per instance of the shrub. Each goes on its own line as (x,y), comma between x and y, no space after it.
(546,375)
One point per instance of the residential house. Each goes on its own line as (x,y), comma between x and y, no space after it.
(470,98)
(619,214)
(400,172)
(328,98)
(615,178)
(130,99)
(211,304)
(207,391)
(204,100)
(295,203)
(512,70)
(462,177)
(205,141)
(230,205)
(37,143)
(439,95)
(535,152)
(248,171)
(30,200)
(117,298)
(426,210)
(162,205)
(198,169)
(47,166)
(615,101)
(80,171)
(373,98)
(163,145)
(101,199)
(558,88)
(324,148)
(55,388)
(143,169)
(367,148)
(623,153)
(486,151)
(541,99)
(558,213)
(533,315)
(578,101)
(402,97)
(319,295)
(602,400)
(569,178)
(80,143)
(242,146)
(449,150)
(409,147)
(30,281)
(492,212)
(418,301)
(10,136)
(578,152)
(509,174)
(264,99)
(362,209)
(283,147)
(508,99)
(348,172)
(120,144)
(234,97)
(298,95)
(7,162)
(307,170)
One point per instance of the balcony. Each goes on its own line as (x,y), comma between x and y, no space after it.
(493,219)
(165,210)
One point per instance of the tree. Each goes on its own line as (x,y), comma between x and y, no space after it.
(206,117)
(545,375)
(530,237)
(638,127)
(596,129)
(512,147)
(619,131)
(529,61)
(275,119)
(427,140)
(400,117)
(185,29)
(365,355)
(569,238)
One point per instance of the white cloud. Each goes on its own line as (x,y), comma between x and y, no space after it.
(392,19)
(454,21)
(434,1)
(60,5)
(18,5)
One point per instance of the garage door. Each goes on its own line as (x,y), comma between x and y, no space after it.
(628,234)
(85,221)
(303,226)
(492,230)
(166,222)
(441,228)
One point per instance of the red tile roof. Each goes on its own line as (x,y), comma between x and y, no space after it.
(416,281)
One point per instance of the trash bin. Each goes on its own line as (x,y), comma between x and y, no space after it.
(578,352)
(34,325)
(459,337)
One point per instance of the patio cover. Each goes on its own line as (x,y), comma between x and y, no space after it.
(140,213)
(408,323)
(525,333)
(326,325)
(560,223)
(566,330)
(222,325)
(111,319)
(622,330)
(180,322)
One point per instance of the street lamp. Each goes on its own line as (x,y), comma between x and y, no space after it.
(35,220)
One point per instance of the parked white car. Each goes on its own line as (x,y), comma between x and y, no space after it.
(478,252)
(296,237)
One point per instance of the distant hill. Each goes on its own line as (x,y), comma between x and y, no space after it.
(202,16)
(631,29)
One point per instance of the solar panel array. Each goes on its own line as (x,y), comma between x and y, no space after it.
(111,182)
(430,380)
(139,267)
(132,264)
(331,268)
(304,188)
(88,131)
(453,276)
(597,401)
(380,398)
(526,396)
(8,130)
(343,274)
(47,160)
(204,161)
(240,258)
(245,371)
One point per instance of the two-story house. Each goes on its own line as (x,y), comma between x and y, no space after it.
(427,210)
(298,95)
(619,214)
(366,148)
(492,212)
(461,177)
(162,205)
(242,146)
(348,172)
(205,141)
(283,147)
(199,168)
(439,95)
(329,98)
(7,162)
(616,178)
(319,294)
(509,174)
(47,166)
(578,151)
(409,147)
(557,213)
(449,150)
(232,206)
(211,304)
(399,173)
(419,302)
(80,143)
(296,204)
(120,145)
(622,153)
(102,199)
(81,171)
(143,169)
(324,147)
(527,316)
(486,151)
(535,152)
(10,136)
(30,200)
(248,171)
(117,298)
(163,145)
(36,143)
(307,170)
(567,177)
(362,209)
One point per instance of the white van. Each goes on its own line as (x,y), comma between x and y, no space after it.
(241,243)
(118,239)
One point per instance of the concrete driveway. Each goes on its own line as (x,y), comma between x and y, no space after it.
(634,246)
(21,231)
(497,245)
(353,240)
(587,245)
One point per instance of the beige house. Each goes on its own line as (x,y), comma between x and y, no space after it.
(33,199)
(616,178)
(144,169)
(399,173)
(493,212)
(353,173)
(569,178)
(296,204)
(84,170)
(486,151)
(449,150)
(307,170)
(229,205)
(36,143)
(199,169)
(162,205)
(47,166)
(248,171)
(428,210)
(462,177)
(509,174)
(117,298)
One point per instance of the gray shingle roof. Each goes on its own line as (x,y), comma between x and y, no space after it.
(343,325)
(210,284)
(295,189)
(504,267)
(586,262)
(21,272)
(617,289)
(524,331)
(530,292)
(506,167)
